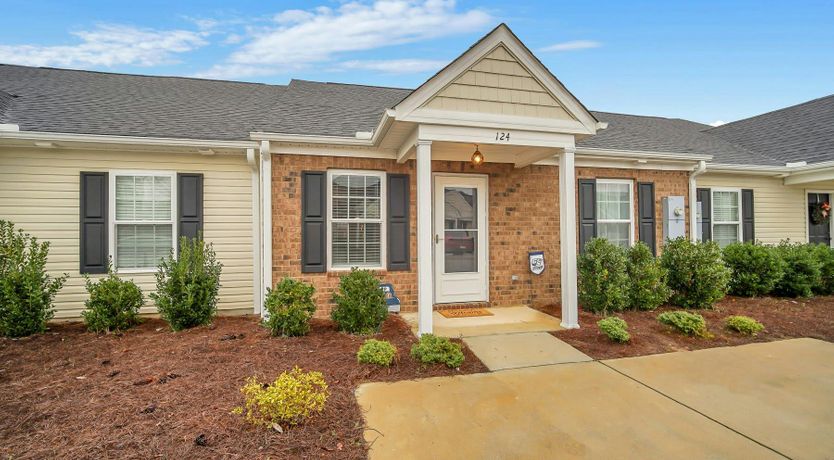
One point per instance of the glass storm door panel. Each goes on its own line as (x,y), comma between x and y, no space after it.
(819,231)
(460,239)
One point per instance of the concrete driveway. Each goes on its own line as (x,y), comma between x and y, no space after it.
(772,400)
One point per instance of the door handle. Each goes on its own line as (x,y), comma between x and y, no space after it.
(436,238)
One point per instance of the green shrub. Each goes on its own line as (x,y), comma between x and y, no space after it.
(825,256)
(603,281)
(755,269)
(433,349)
(360,303)
(697,275)
(376,352)
(291,398)
(290,307)
(647,287)
(802,270)
(26,290)
(685,322)
(615,328)
(114,303)
(743,324)
(186,286)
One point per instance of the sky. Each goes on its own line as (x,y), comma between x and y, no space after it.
(705,61)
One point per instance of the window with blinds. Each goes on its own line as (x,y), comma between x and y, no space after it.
(726,216)
(356,218)
(143,220)
(615,211)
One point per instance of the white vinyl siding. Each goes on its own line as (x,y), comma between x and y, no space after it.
(779,210)
(143,219)
(726,216)
(39,192)
(356,218)
(615,211)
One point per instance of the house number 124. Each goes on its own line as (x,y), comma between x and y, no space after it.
(502,136)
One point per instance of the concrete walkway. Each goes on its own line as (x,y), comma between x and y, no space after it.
(503,320)
(771,400)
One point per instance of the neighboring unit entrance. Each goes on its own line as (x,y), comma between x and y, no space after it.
(460,257)
(819,231)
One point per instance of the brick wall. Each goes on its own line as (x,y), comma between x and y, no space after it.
(666,183)
(523,216)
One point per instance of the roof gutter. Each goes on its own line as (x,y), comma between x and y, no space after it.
(126,140)
(640,154)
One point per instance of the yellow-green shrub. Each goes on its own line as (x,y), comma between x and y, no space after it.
(744,325)
(291,398)
(376,352)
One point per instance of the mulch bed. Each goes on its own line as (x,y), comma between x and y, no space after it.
(782,318)
(152,393)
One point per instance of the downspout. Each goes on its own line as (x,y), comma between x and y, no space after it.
(693,199)
(257,276)
(266,218)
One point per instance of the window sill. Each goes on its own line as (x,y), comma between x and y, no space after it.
(135,271)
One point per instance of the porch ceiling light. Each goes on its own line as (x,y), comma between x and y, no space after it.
(477,157)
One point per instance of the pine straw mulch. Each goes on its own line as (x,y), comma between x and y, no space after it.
(782,319)
(151,393)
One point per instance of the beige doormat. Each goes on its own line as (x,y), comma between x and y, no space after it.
(464,312)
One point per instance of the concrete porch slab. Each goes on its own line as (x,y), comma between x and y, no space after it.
(510,351)
(504,320)
(780,393)
(581,410)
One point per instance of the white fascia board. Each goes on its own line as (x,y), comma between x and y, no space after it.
(488,120)
(333,151)
(806,177)
(477,135)
(127,140)
(640,154)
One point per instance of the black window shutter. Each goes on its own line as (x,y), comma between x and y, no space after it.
(646,219)
(747,221)
(189,205)
(398,224)
(587,211)
(704,196)
(313,222)
(94,207)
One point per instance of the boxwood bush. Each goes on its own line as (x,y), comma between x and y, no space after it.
(187,286)
(755,269)
(378,352)
(289,307)
(697,276)
(743,324)
(603,279)
(615,328)
(433,349)
(360,303)
(292,398)
(685,322)
(802,270)
(647,287)
(26,290)
(825,256)
(114,303)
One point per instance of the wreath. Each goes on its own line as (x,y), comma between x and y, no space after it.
(821,213)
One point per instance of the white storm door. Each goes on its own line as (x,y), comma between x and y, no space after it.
(460,241)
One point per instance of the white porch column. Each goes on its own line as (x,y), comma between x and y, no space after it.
(425,239)
(567,232)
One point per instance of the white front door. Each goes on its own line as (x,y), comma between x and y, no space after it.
(460,249)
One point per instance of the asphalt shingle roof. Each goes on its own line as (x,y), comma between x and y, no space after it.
(803,132)
(667,135)
(84,102)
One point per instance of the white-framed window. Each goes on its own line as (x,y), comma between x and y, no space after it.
(142,219)
(356,219)
(615,211)
(726,216)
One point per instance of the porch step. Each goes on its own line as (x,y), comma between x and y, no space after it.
(504,320)
(529,349)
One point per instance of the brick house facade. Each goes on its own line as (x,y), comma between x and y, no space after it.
(523,209)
